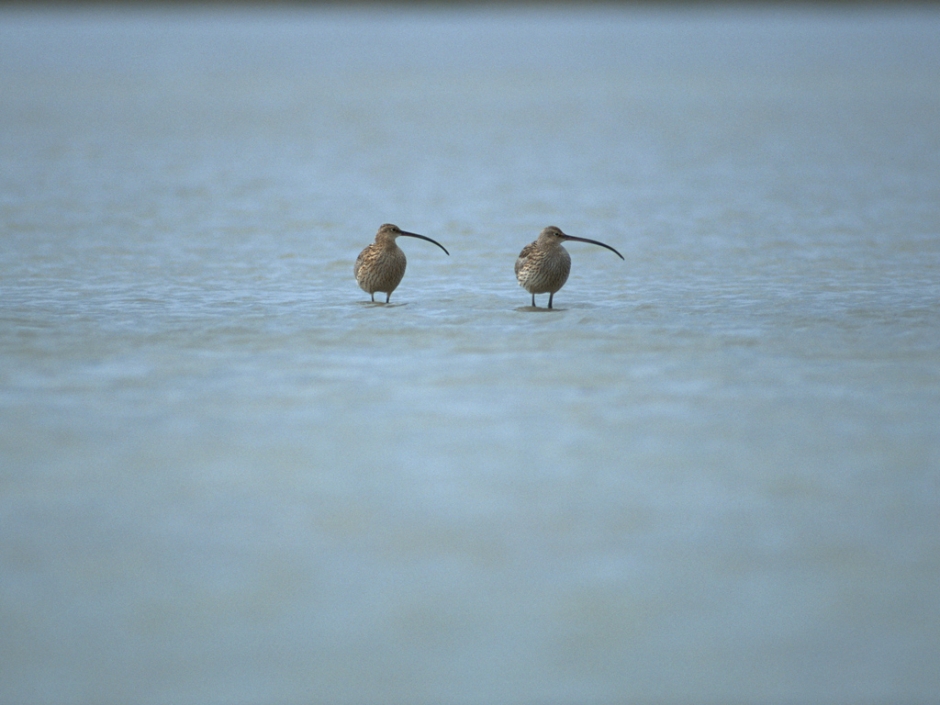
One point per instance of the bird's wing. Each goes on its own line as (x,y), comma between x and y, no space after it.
(526,251)
(360,259)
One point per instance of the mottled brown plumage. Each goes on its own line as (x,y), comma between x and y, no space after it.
(543,266)
(381,265)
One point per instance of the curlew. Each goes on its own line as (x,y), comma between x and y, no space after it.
(543,266)
(381,265)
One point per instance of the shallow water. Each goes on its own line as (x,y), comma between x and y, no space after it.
(709,475)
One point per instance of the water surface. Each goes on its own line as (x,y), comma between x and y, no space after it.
(710,475)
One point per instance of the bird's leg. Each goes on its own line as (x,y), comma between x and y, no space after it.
(388,296)
(550,297)
(533,300)
(373,297)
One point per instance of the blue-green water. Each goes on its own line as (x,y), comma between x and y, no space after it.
(710,475)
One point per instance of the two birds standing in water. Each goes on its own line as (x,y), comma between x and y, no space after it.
(542,267)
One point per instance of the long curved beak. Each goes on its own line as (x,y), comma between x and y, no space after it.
(593,242)
(422,237)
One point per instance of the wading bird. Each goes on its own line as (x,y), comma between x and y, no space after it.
(543,266)
(381,266)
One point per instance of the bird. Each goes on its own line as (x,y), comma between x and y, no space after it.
(381,265)
(543,265)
